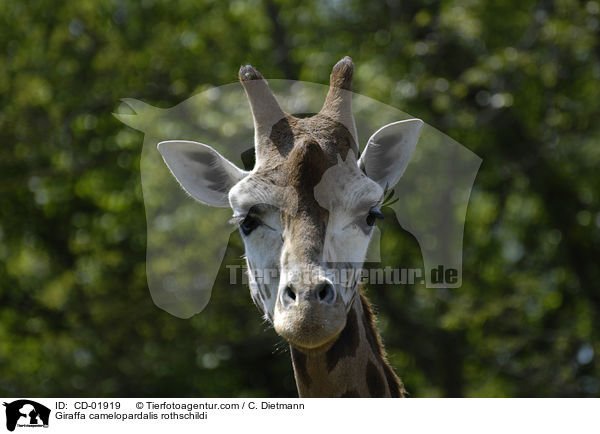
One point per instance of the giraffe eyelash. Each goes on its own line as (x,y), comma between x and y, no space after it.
(237,219)
(389,198)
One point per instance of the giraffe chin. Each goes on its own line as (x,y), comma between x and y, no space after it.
(310,337)
(314,347)
(317,350)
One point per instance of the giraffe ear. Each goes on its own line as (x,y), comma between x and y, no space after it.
(203,173)
(388,151)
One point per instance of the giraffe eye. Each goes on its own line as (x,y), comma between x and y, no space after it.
(249,224)
(374,214)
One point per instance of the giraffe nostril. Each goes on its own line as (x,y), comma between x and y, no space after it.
(289,293)
(326,293)
(322,293)
(287,297)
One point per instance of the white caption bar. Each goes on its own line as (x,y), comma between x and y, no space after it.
(260,415)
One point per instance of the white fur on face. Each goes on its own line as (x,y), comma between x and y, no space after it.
(263,246)
(348,195)
(263,201)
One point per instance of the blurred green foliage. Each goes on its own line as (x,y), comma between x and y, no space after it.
(517,82)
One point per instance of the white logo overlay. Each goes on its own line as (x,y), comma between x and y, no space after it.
(187,241)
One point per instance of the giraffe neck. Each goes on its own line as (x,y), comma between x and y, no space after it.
(354,366)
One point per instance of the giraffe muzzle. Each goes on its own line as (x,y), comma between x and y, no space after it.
(309,316)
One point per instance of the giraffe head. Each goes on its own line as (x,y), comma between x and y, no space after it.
(307,209)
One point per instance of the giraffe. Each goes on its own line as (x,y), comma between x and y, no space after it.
(308,207)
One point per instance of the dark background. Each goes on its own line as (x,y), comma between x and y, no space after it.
(516,82)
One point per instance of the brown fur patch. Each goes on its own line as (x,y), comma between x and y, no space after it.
(282,136)
(347,343)
(299,361)
(375,382)
(394,383)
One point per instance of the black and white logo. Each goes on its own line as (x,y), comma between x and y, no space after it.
(26,413)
